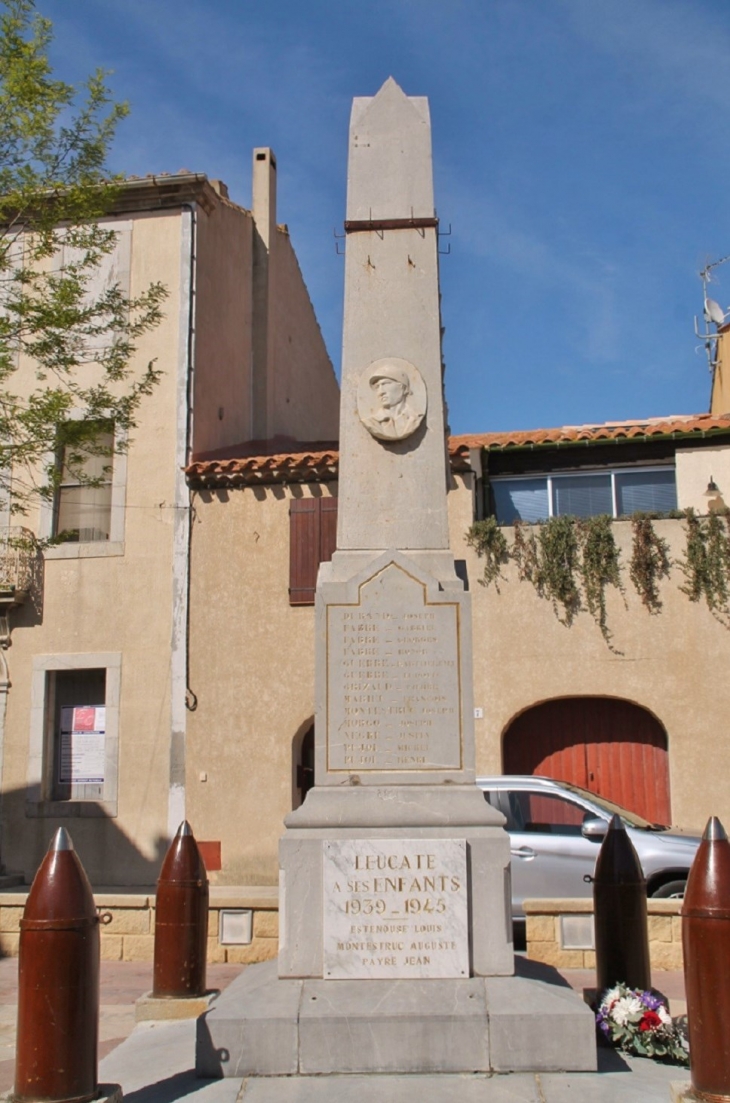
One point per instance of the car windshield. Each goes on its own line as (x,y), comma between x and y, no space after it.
(629,818)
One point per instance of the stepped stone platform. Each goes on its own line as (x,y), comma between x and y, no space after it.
(266,1026)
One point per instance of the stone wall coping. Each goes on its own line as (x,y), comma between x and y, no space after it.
(244,896)
(224,896)
(584,906)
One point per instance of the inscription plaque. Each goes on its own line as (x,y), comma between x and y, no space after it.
(395,908)
(393,691)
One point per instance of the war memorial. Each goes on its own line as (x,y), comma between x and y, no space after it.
(396,971)
(396,951)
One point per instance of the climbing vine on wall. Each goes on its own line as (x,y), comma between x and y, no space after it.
(490,544)
(706,566)
(558,564)
(572,561)
(600,566)
(650,562)
(559,557)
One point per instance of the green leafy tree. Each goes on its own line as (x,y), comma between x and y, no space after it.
(67,340)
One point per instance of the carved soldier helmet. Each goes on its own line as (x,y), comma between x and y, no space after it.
(391,371)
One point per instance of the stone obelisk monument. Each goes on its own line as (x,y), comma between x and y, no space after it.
(395,945)
(403,865)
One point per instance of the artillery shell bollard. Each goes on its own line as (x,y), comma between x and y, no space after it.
(620,916)
(58,984)
(181,934)
(706,946)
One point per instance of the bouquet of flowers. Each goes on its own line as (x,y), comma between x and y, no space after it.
(639,1022)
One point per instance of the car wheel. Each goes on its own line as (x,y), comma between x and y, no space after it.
(670,889)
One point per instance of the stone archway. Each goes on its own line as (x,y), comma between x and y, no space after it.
(605,744)
(302,763)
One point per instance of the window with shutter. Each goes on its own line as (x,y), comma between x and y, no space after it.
(312,540)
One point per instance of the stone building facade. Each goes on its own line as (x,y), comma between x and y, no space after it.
(95,703)
(657,688)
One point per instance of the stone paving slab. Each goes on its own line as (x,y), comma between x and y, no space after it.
(154,1065)
(395,1089)
(624,1080)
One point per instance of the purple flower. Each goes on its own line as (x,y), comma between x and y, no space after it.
(651,1001)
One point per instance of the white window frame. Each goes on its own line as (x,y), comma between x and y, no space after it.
(611,471)
(41,749)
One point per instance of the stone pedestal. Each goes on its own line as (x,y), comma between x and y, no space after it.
(392,824)
(394,764)
(264,1026)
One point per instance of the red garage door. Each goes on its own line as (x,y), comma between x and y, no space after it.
(612,747)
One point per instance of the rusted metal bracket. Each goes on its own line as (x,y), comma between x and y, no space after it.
(380,225)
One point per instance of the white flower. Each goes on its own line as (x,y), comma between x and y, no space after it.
(625,1008)
(664,1015)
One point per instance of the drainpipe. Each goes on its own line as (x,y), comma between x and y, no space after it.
(4,690)
(182,526)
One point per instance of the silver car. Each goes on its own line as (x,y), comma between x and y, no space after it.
(556,829)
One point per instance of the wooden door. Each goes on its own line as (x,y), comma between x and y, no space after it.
(609,746)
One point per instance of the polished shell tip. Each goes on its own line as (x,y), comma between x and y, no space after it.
(61,840)
(714,832)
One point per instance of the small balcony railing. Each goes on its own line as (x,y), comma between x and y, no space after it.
(18,559)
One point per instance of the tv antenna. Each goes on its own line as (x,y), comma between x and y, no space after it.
(712,315)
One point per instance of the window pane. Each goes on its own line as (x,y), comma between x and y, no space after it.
(89,465)
(84,513)
(520,500)
(646,491)
(546,814)
(582,495)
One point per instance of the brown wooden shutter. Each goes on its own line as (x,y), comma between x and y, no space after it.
(312,540)
(327,529)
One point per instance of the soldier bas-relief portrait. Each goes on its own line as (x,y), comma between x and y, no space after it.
(391,399)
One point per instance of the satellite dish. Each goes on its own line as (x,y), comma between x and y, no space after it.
(714,312)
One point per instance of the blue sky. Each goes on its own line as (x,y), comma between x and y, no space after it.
(581,158)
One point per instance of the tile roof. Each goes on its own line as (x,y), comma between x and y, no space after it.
(285,461)
(689,425)
(308,465)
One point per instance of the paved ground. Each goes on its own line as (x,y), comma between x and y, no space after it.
(122,983)
(155,1062)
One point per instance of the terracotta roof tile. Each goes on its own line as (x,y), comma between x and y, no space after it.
(676,426)
(248,471)
(285,461)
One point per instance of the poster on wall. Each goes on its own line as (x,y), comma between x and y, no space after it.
(83,737)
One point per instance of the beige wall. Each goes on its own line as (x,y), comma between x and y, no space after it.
(252,670)
(306,393)
(94,602)
(673,664)
(720,394)
(695,468)
(303,389)
(223,327)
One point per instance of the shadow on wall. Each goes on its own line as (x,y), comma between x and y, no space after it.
(109,856)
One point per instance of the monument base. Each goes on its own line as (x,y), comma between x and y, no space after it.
(266,1026)
(152,1008)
